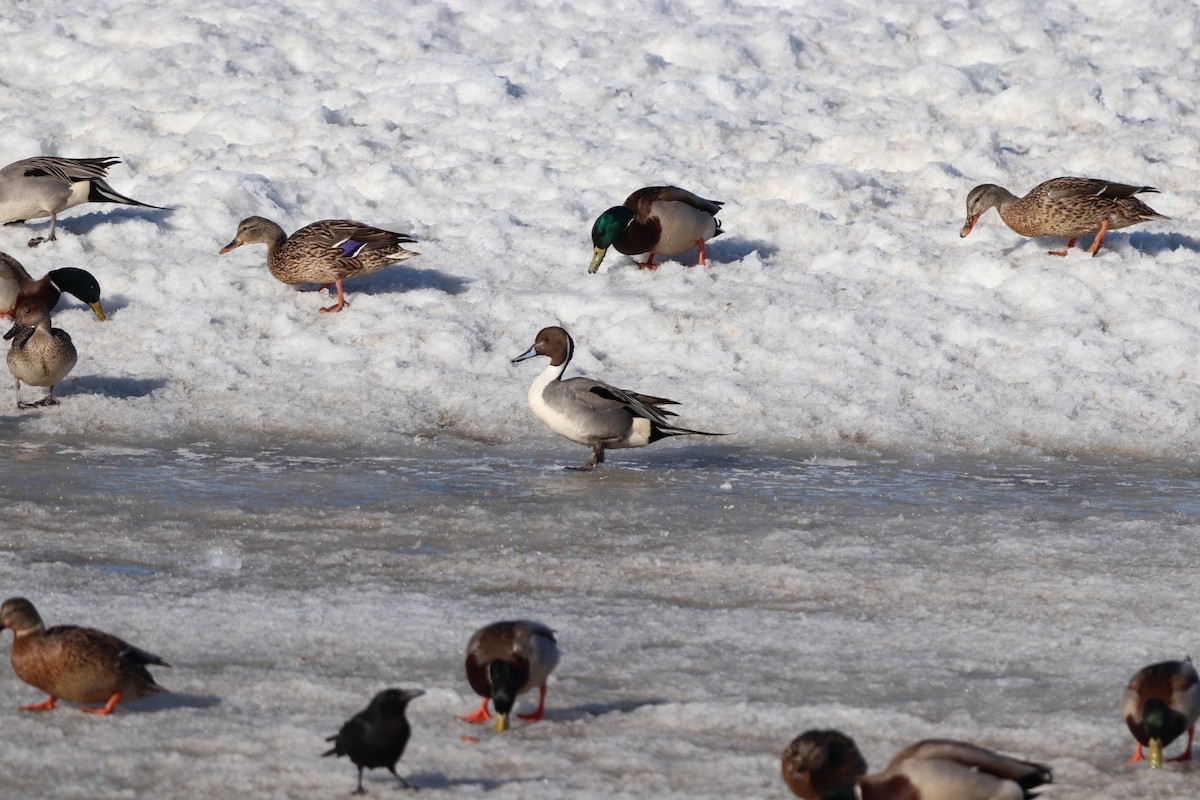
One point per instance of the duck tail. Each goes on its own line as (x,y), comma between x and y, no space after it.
(101,192)
(661,431)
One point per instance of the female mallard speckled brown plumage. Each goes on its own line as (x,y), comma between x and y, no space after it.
(40,355)
(325,252)
(933,769)
(817,763)
(80,665)
(659,220)
(1068,207)
(506,659)
(1161,702)
(17,285)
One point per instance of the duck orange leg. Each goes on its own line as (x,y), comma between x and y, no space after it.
(1187,754)
(1095,248)
(106,709)
(701,243)
(1070,244)
(536,716)
(1137,755)
(480,715)
(341,303)
(648,263)
(46,705)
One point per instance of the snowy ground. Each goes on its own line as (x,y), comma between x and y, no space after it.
(298,509)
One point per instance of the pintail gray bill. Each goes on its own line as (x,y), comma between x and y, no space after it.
(44,186)
(592,412)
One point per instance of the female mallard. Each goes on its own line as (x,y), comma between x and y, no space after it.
(506,659)
(1160,703)
(933,769)
(659,220)
(1068,207)
(16,285)
(818,763)
(325,252)
(80,665)
(40,355)
(45,185)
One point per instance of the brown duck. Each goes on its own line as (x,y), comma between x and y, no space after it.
(80,665)
(325,252)
(1067,207)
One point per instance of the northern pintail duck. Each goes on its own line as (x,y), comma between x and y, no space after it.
(591,412)
(933,769)
(1161,702)
(43,186)
(377,735)
(40,355)
(79,665)
(17,285)
(506,659)
(1067,207)
(325,252)
(657,220)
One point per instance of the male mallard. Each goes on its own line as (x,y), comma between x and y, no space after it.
(506,659)
(45,185)
(40,355)
(377,735)
(80,665)
(817,763)
(16,285)
(659,220)
(590,412)
(933,769)
(325,252)
(1160,703)
(1069,207)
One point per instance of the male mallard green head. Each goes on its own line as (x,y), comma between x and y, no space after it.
(608,227)
(505,684)
(1154,718)
(81,284)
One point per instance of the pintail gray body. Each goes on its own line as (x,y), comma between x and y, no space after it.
(592,412)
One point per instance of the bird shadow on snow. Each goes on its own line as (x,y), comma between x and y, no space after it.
(1150,244)
(1154,243)
(169,701)
(727,251)
(405,279)
(84,223)
(437,780)
(122,388)
(588,710)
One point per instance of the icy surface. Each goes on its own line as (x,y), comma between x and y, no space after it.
(961,498)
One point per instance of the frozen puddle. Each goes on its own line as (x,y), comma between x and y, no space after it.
(711,601)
